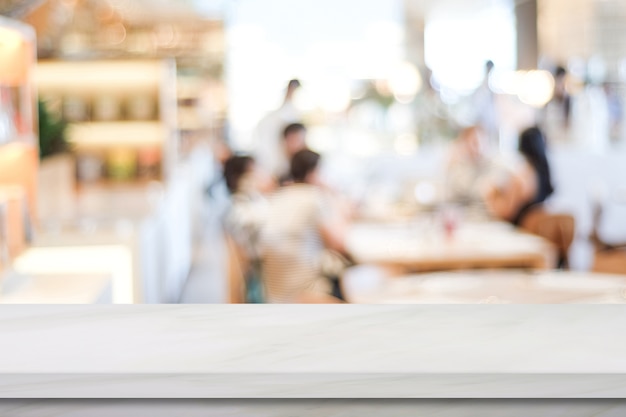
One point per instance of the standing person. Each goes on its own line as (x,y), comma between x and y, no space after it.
(557,114)
(615,110)
(591,121)
(269,151)
(304,222)
(485,106)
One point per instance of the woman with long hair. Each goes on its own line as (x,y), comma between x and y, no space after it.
(528,187)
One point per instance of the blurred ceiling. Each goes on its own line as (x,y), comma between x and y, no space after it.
(18,8)
(453,8)
(145,11)
(140,11)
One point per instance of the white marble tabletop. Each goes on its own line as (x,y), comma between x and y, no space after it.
(313,351)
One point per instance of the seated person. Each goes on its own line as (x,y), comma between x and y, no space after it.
(467,167)
(293,141)
(247,185)
(303,224)
(527,187)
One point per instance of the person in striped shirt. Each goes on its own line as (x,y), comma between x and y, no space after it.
(302,224)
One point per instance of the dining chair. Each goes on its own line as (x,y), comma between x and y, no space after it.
(608,258)
(313,298)
(236,269)
(557,228)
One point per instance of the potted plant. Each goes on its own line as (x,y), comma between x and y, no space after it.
(52,133)
(57,167)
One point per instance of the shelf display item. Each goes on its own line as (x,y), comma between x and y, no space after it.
(75,109)
(122,164)
(141,107)
(149,163)
(107,108)
(90,168)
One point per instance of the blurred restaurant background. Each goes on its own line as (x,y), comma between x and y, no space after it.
(281,151)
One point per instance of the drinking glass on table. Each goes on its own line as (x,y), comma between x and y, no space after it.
(450,217)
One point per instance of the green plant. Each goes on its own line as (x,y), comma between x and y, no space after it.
(52,132)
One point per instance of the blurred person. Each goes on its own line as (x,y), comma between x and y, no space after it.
(269,151)
(293,141)
(434,119)
(485,105)
(558,112)
(616,111)
(305,225)
(529,184)
(247,184)
(467,166)
(561,95)
(590,126)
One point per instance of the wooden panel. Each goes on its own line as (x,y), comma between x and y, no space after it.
(18,166)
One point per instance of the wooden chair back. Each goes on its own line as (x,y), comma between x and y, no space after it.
(237,266)
(559,229)
(609,258)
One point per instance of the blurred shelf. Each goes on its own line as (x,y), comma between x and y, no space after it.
(100,76)
(107,87)
(117,134)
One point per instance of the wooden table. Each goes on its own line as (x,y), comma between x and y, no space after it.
(370,286)
(415,247)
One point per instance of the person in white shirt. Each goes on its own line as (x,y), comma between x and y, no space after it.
(485,104)
(468,164)
(303,224)
(268,147)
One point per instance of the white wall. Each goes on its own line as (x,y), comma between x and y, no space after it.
(272,41)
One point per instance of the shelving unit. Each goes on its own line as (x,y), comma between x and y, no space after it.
(148,215)
(117,111)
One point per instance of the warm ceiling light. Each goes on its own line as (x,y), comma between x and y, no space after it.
(405,82)
(335,95)
(537,88)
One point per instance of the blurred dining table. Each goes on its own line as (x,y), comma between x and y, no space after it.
(421,247)
(372,286)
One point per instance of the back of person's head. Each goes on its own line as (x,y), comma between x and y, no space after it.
(293,84)
(293,128)
(304,163)
(489,66)
(532,145)
(560,72)
(472,139)
(235,168)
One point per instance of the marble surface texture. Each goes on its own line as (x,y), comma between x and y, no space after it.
(313,351)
